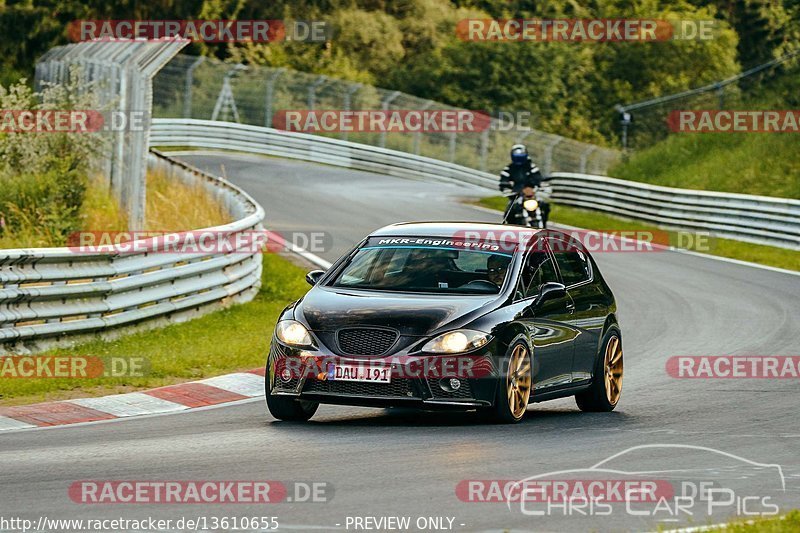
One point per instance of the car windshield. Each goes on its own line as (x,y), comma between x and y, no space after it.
(424,265)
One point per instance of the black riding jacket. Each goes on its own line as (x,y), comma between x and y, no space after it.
(515,177)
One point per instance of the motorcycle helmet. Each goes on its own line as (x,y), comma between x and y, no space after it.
(519,154)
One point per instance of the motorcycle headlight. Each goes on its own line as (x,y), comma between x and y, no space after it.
(293,333)
(530,205)
(460,340)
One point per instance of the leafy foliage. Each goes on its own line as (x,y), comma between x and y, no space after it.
(44,176)
(411,45)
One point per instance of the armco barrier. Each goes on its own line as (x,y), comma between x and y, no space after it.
(756,219)
(48,293)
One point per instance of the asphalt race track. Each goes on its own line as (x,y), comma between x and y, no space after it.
(395,463)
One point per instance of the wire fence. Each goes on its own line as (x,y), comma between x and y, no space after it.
(645,123)
(120,75)
(204,88)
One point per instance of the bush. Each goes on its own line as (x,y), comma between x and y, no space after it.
(41,209)
(44,176)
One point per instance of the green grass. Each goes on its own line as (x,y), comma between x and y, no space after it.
(786,524)
(750,163)
(755,253)
(236,338)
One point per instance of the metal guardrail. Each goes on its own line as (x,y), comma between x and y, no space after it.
(756,219)
(208,89)
(268,141)
(51,292)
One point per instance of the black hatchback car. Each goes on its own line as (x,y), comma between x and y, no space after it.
(450,315)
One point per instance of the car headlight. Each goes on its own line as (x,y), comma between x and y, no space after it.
(460,340)
(530,205)
(293,333)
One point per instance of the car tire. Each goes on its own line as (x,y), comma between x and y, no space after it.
(606,389)
(515,388)
(285,407)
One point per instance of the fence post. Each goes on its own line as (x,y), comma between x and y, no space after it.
(548,156)
(418,134)
(270,94)
(385,107)
(452,147)
(484,147)
(312,92)
(585,158)
(353,89)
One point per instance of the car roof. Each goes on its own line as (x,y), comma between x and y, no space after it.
(445,229)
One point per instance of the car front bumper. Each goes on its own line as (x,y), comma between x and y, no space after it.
(416,379)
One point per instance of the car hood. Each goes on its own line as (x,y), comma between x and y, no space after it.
(328,309)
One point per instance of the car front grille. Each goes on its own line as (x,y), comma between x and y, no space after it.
(397,388)
(366,341)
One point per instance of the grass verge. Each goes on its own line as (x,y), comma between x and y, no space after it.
(175,206)
(755,253)
(755,163)
(789,523)
(232,339)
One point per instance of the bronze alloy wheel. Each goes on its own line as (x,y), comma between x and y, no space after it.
(613,370)
(518,381)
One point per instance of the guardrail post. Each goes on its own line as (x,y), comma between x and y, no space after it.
(269,95)
(187,90)
(385,106)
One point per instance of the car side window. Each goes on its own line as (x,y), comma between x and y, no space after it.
(540,270)
(572,262)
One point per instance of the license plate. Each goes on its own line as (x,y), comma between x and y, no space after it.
(372,374)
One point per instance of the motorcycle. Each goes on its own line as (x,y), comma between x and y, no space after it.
(525,209)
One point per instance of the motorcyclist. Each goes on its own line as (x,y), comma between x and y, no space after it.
(522,175)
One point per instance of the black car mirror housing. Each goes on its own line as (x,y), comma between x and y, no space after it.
(550,291)
(314,276)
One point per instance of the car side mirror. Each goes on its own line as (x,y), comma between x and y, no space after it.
(550,291)
(314,276)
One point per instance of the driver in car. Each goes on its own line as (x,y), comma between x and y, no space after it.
(496,266)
